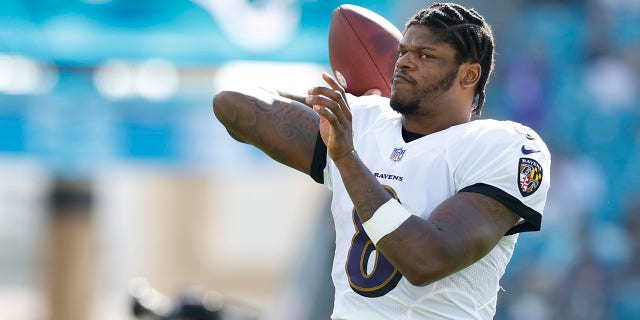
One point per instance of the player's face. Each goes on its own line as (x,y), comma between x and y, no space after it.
(425,71)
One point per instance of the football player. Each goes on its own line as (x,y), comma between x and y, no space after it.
(427,201)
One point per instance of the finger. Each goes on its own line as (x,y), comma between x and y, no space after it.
(327,114)
(328,92)
(334,84)
(342,114)
(326,96)
(324,91)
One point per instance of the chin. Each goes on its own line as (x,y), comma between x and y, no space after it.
(403,106)
(396,98)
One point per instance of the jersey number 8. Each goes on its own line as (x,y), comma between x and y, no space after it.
(382,277)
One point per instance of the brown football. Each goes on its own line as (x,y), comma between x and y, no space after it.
(363,49)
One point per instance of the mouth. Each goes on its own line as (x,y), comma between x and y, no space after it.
(400,77)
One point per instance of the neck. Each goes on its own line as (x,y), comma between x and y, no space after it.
(439,112)
(426,124)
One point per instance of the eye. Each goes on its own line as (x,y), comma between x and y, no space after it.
(401,52)
(425,56)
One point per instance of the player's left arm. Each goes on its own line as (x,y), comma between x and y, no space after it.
(459,232)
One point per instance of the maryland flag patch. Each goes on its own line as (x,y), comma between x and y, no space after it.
(529,176)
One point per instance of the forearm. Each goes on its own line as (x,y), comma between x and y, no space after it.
(459,232)
(421,251)
(366,193)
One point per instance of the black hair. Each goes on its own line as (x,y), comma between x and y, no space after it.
(470,35)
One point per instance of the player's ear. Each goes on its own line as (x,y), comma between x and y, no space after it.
(470,73)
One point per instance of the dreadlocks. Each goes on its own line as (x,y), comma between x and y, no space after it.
(468,33)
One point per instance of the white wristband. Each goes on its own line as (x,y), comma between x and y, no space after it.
(385,220)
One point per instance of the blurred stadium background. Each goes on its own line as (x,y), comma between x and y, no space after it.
(114,172)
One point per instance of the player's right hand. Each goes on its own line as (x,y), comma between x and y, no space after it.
(335,117)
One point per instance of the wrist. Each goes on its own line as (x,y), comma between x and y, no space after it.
(386,219)
(345,158)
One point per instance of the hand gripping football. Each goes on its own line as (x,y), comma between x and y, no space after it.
(363,49)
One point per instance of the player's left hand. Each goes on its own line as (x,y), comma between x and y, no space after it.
(335,117)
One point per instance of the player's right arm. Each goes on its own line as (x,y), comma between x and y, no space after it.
(284,129)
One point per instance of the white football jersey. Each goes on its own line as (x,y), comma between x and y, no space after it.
(502,159)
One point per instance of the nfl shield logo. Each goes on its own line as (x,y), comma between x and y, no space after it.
(397,154)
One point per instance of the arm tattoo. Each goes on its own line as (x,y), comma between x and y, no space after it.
(289,123)
(285,131)
(369,200)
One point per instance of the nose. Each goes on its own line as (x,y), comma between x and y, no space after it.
(405,62)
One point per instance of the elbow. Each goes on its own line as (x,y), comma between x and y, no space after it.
(420,278)
(423,273)
(226,111)
(222,106)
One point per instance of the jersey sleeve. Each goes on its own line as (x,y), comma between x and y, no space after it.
(319,161)
(509,163)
